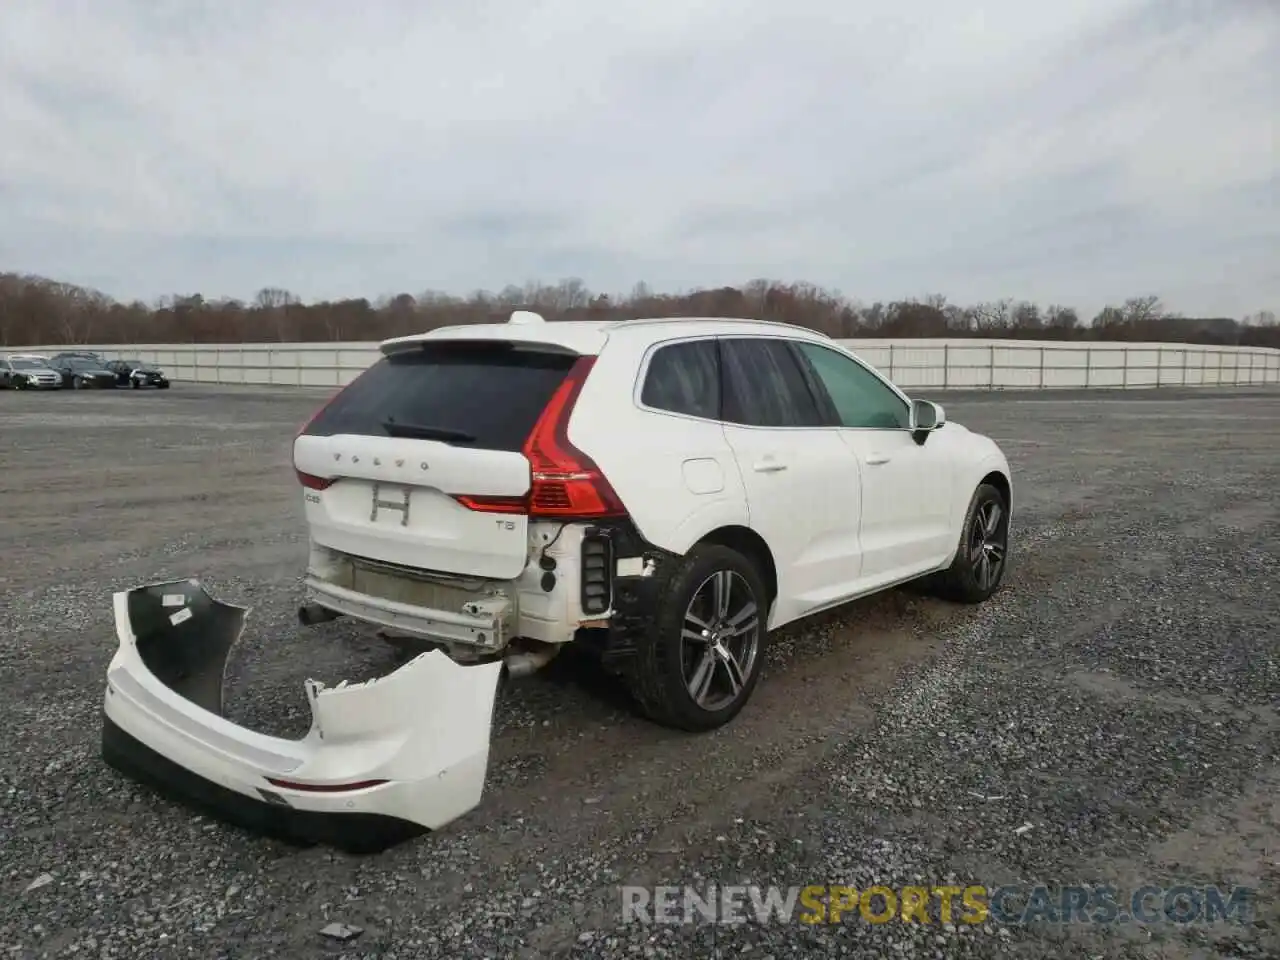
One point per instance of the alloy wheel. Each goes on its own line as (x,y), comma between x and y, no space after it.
(720,640)
(987,543)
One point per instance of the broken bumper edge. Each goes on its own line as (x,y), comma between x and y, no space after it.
(384,761)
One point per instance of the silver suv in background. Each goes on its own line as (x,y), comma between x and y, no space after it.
(19,372)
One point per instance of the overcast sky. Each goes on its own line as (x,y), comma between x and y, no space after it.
(1078,151)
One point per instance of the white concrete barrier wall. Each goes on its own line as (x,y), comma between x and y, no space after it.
(918,365)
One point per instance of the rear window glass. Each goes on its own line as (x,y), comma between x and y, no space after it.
(490,391)
(764,385)
(685,378)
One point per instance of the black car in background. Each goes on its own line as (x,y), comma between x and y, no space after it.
(123,369)
(81,371)
(138,373)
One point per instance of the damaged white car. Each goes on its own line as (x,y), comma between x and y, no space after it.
(665,492)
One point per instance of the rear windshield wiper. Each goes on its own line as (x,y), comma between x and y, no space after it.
(423,431)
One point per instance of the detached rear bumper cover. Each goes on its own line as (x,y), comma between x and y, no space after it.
(384,760)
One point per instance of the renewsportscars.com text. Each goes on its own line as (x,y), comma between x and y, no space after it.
(944,904)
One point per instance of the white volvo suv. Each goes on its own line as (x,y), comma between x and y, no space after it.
(664,491)
(667,491)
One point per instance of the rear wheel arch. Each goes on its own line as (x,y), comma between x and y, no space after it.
(751,545)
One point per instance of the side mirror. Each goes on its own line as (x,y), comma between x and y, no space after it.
(926,416)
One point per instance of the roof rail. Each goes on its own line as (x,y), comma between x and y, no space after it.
(643,321)
(525,316)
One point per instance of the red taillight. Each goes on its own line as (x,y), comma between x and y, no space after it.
(565,483)
(325,787)
(312,482)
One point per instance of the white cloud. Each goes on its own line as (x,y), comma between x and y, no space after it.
(1076,152)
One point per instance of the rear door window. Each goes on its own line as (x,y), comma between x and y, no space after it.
(684,378)
(764,385)
(489,394)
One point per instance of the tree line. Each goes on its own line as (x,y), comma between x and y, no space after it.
(36,310)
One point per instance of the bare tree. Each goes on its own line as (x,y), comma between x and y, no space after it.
(1062,320)
(274,303)
(993,318)
(1027,318)
(1263,318)
(1138,310)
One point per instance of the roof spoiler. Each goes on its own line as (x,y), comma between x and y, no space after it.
(525,316)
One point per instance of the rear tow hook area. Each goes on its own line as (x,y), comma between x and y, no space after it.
(383,761)
(522,658)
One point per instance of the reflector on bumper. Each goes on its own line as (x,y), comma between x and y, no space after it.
(384,760)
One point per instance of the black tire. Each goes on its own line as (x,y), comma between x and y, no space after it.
(162,386)
(133,383)
(658,674)
(964,581)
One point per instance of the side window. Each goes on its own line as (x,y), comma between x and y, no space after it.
(764,386)
(861,399)
(684,378)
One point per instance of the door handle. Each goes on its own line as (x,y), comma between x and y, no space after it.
(769,466)
(875,459)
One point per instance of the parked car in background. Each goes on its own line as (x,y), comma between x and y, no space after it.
(81,372)
(138,373)
(123,369)
(59,359)
(27,373)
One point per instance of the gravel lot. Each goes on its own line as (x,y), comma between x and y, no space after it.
(1119,696)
